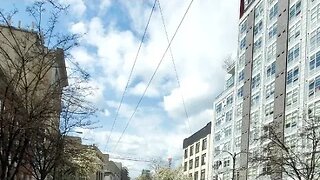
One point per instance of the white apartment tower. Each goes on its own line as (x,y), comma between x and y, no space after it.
(276,80)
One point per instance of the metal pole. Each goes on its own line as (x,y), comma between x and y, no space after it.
(233,165)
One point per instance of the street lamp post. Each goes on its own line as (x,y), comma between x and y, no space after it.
(233,156)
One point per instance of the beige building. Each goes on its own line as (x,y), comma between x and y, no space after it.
(196,159)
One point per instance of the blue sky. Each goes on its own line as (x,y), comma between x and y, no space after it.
(112,30)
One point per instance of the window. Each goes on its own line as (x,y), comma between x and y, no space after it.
(227,132)
(269,110)
(271,52)
(273,11)
(197,147)
(186,153)
(258,28)
(203,159)
(239,110)
(217,150)
(315,14)
(203,174)
(255,99)
(314,86)
(217,136)
(258,12)
(243,27)
(240,92)
(241,61)
(293,76)
(196,163)
(294,32)
(229,116)
(196,175)
(204,144)
(270,90)
(291,120)
(190,163)
(237,142)
(243,43)
(229,100)
(227,146)
(272,31)
(238,126)
(226,162)
(292,97)
(255,81)
(315,39)
(241,76)
(190,176)
(256,64)
(294,53)
(191,150)
(271,69)
(185,167)
(257,45)
(295,10)
(314,61)
(219,108)
(218,122)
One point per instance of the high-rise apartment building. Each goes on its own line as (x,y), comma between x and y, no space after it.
(197,159)
(276,81)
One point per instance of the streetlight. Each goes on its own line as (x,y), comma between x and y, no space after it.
(233,156)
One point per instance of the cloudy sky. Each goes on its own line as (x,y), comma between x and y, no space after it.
(112,31)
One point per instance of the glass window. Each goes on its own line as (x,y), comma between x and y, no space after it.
(186,153)
(203,174)
(258,12)
(241,76)
(185,166)
(255,99)
(190,163)
(293,76)
(227,132)
(229,100)
(314,86)
(291,120)
(204,144)
(196,163)
(191,150)
(226,162)
(203,159)
(271,70)
(243,43)
(257,45)
(274,10)
(196,175)
(292,98)
(294,32)
(229,116)
(314,61)
(258,28)
(272,32)
(294,53)
(295,10)
(240,92)
(271,52)
(256,81)
(197,147)
(270,90)
(269,109)
(238,126)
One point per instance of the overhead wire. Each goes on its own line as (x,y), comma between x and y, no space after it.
(174,67)
(131,72)
(153,75)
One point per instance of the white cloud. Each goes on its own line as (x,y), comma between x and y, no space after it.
(106,112)
(208,34)
(78,28)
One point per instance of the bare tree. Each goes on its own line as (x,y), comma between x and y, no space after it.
(294,157)
(40,104)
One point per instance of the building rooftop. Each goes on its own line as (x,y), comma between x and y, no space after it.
(197,136)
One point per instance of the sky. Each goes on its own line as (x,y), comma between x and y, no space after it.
(111,33)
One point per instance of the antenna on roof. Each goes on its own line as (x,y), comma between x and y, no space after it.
(32,26)
(19,24)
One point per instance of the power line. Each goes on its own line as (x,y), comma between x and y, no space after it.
(131,72)
(174,66)
(154,73)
